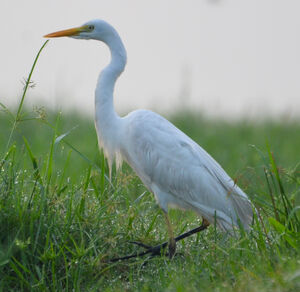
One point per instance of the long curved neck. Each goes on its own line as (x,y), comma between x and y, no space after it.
(107,121)
(104,105)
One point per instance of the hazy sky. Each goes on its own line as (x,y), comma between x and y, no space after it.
(225,57)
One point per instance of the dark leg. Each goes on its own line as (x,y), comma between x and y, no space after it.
(202,227)
(156,250)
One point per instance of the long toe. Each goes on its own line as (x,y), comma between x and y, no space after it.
(146,246)
(149,250)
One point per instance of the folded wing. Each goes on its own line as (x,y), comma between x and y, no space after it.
(179,172)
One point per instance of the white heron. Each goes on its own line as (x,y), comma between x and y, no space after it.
(171,165)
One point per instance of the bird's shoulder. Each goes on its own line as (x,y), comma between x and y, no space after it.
(148,123)
(145,118)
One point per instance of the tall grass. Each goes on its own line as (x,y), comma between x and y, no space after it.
(61,219)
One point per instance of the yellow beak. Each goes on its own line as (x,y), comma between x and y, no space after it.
(64,33)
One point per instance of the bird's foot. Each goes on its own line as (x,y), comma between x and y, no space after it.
(158,249)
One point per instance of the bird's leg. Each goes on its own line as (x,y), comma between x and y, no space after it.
(202,227)
(156,250)
(172,242)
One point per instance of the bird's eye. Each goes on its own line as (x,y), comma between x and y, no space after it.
(90,27)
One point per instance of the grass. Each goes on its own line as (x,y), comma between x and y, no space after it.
(61,219)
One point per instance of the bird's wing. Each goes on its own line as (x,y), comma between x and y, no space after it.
(170,163)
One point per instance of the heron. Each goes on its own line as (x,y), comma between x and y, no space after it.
(179,172)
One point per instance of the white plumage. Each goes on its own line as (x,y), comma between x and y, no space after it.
(173,167)
(180,173)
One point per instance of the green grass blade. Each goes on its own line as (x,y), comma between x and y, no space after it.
(286,203)
(33,161)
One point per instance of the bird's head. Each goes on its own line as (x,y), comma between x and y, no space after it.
(94,29)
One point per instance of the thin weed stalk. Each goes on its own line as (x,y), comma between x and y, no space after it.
(27,83)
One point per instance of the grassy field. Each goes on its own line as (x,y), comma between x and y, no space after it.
(62,220)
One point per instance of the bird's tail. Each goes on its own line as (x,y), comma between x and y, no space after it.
(243,208)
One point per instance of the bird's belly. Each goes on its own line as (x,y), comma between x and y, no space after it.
(167,200)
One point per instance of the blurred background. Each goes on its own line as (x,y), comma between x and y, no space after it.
(226,58)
